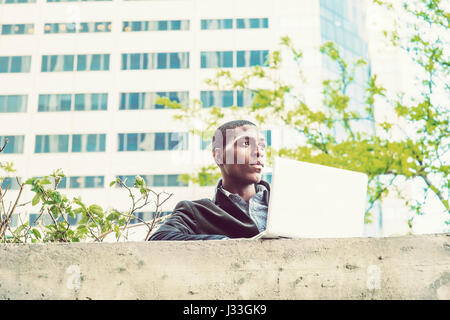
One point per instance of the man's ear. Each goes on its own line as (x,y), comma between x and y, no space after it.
(218,156)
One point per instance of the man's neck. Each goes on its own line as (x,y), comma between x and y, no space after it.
(244,191)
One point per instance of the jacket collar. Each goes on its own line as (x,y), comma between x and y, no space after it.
(220,195)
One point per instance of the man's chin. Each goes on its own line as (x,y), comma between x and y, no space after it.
(255,177)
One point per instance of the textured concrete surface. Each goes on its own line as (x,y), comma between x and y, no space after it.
(411,267)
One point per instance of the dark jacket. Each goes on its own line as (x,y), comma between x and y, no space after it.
(208,219)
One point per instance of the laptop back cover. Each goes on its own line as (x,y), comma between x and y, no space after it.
(314,201)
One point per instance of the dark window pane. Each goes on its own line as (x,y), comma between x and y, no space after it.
(175,25)
(255,58)
(136,26)
(81,62)
(84,27)
(135,61)
(240,58)
(123,100)
(133,102)
(227,59)
(91,145)
(203,59)
(227,98)
(159,180)
(240,23)
(254,23)
(105,62)
(175,60)
(102,143)
(7,29)
(76,142)
(66,102)
(68,62)
(38,144)
(131,142)
(63,143)
(124,61)
(228,23)
(160,141)
(162,25)
(76,182)
(4,64)
(174,141)
(16,64)
(162,61)
(95,62)
(121,142)
(79,102)
(44,102)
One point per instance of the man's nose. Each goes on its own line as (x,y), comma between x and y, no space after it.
(258,150)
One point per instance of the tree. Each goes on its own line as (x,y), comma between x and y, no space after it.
(95,224)
(417,156)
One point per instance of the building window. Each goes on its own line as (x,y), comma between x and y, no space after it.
(216,98)
(155,141)
(156,25)
(17,29)
(155,180)
(252,23)
(251,58)
(13,222)
(92,62)
(19,1)
(87,182)
(268,137)
(162,60)
(64,102)
(57,63)
(135,61)
(216,59)
(74,0)
(147,216)
(226,98)
(13,103)
(52,143)
(15,144)
(147,100)
(47,220)
(86,27)
(215,24)
(9,182)
(15,64)
(54,102)
(70,27)
(88,142)
(91,101)
(267,176)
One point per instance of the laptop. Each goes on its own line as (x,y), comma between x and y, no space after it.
(315,201)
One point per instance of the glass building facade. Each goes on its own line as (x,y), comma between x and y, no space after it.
(343,22)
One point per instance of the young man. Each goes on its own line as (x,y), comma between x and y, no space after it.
(239,207)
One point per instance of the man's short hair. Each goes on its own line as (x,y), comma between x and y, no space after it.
(223,129)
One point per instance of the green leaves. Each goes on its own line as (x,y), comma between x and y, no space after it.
(36,199)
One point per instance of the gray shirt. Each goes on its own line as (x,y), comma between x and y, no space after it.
(257,206)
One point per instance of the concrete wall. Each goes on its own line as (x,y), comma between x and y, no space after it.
(412,267)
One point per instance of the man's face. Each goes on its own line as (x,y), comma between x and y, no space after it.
(242,158)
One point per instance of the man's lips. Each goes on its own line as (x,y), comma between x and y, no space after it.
(257,165)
